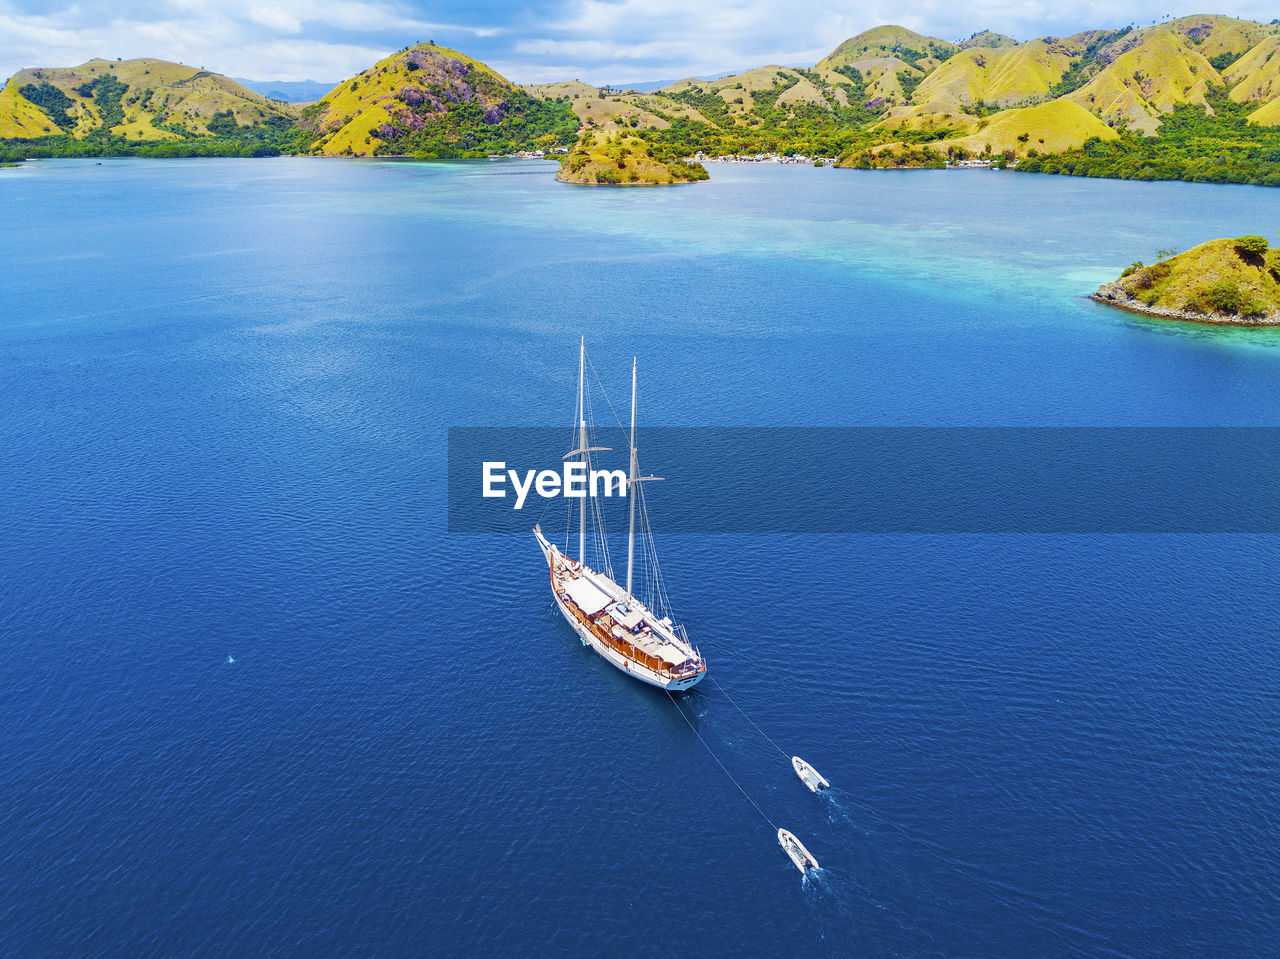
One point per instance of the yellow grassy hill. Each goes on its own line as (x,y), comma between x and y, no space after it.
(889,40)
(1048,128)
(989,40)
(561,88)
(1002,76)
(739,91)
(883,77)
(162,100)
(1161,71)
(19,117)
(786,87)
(1256,75)
(1212,34)
(615,110)
(1267,115)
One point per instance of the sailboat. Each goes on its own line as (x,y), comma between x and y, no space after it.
(636,637)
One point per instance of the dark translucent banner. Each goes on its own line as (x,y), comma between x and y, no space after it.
(884,479)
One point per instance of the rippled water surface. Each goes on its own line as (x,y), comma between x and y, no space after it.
(257,700)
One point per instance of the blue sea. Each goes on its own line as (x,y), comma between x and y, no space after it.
(257,700)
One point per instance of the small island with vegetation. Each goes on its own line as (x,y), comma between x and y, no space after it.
(1234,281)
(601,159)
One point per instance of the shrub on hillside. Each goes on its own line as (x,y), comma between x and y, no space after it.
(1251,245)
(1226,297)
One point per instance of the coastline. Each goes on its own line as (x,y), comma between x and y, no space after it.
(1113,294)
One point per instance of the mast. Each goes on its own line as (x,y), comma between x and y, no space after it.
(631,482)
(582,445)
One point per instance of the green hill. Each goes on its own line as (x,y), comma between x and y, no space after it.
(133,100)
(431,101)
(1222,281)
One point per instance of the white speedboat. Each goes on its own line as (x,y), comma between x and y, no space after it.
(794,848)
(809,776)
(635,636)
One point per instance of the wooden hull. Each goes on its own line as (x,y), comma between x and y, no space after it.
(619,661)
(610,649)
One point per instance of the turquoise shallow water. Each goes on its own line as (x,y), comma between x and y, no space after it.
(225,388)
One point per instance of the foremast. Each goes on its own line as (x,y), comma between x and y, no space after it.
(633,485)
(582,447)
(584,450)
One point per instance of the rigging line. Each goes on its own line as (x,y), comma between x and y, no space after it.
(748,718)
(658,585)
(771,823)
(605,393)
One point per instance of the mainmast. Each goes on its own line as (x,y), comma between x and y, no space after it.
(582,445)
(631,482)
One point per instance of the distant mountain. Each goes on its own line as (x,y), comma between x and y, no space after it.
(431,101)
(144,100)
(289,91)
(1211,83)
(891,93)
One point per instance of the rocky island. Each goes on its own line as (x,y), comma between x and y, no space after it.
(1223,281)
(601,159)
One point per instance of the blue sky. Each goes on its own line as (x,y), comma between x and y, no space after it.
(599,41)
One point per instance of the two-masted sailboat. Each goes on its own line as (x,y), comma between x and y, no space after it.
(637,637)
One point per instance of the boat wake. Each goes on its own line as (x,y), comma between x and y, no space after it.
(842,809)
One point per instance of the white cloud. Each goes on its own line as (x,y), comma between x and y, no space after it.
(601,41)
(607,40)
(282,40)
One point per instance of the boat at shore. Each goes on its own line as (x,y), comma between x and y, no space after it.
(638,638)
